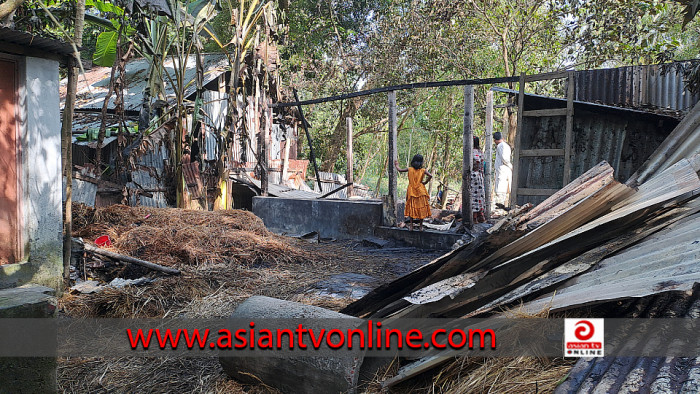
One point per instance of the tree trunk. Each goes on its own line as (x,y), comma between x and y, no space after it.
(67,134)
(336,143)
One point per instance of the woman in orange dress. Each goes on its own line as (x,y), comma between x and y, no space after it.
(417,198)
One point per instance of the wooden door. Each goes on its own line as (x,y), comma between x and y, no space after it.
(9,245)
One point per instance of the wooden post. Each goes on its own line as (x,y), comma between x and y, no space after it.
(516,148)
(569,127)
(349,176)
(488,153)
(391,170)
(467,159)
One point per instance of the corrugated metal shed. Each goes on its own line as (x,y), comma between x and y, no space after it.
(91,97)
(657,85)
(623,137)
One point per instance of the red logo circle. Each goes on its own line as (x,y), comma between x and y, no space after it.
(584,332)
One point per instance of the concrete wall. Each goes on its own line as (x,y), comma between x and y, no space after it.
(40,178)
(341,219)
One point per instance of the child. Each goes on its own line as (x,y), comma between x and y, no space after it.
(417,198)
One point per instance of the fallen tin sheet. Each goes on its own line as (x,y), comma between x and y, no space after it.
(584,262)
(642,374)
(449,287)
(666,261)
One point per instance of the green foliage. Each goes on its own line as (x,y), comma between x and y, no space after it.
(106,48)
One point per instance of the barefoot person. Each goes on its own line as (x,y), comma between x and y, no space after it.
(417,198)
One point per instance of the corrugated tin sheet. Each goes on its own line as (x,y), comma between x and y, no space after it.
(31,41)
(658,85)
(666,261)
(276,190)
(641,374)
(190,171)
(215,107)
(83,192)
(149,176)
(331,181)
(91,97)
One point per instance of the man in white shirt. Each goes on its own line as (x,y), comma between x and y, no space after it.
(503,168)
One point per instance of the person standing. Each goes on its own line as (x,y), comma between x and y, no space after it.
(503,169)
(417,199)
(478,195)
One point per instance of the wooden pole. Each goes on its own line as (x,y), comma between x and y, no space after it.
(127,259)
(488,152)
(392,156)
(568,140)
(349,176)
(516,148)
(262,154)
(467,160)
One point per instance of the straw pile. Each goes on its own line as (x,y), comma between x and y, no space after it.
(225,257)
(176,237)
(502,375)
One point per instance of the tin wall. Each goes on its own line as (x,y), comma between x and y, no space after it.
(623,138)
(658,85)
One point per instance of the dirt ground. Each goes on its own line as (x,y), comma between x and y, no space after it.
(226,257)
(331,275)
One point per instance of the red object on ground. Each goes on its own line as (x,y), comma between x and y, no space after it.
(103,241)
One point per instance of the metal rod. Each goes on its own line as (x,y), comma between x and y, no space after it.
(418,85)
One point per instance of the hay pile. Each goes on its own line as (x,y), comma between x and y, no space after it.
(176,237)
(502,375)
(225,257)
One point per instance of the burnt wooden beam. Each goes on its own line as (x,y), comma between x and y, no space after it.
(467,160)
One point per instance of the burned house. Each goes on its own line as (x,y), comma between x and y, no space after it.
(141,171)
